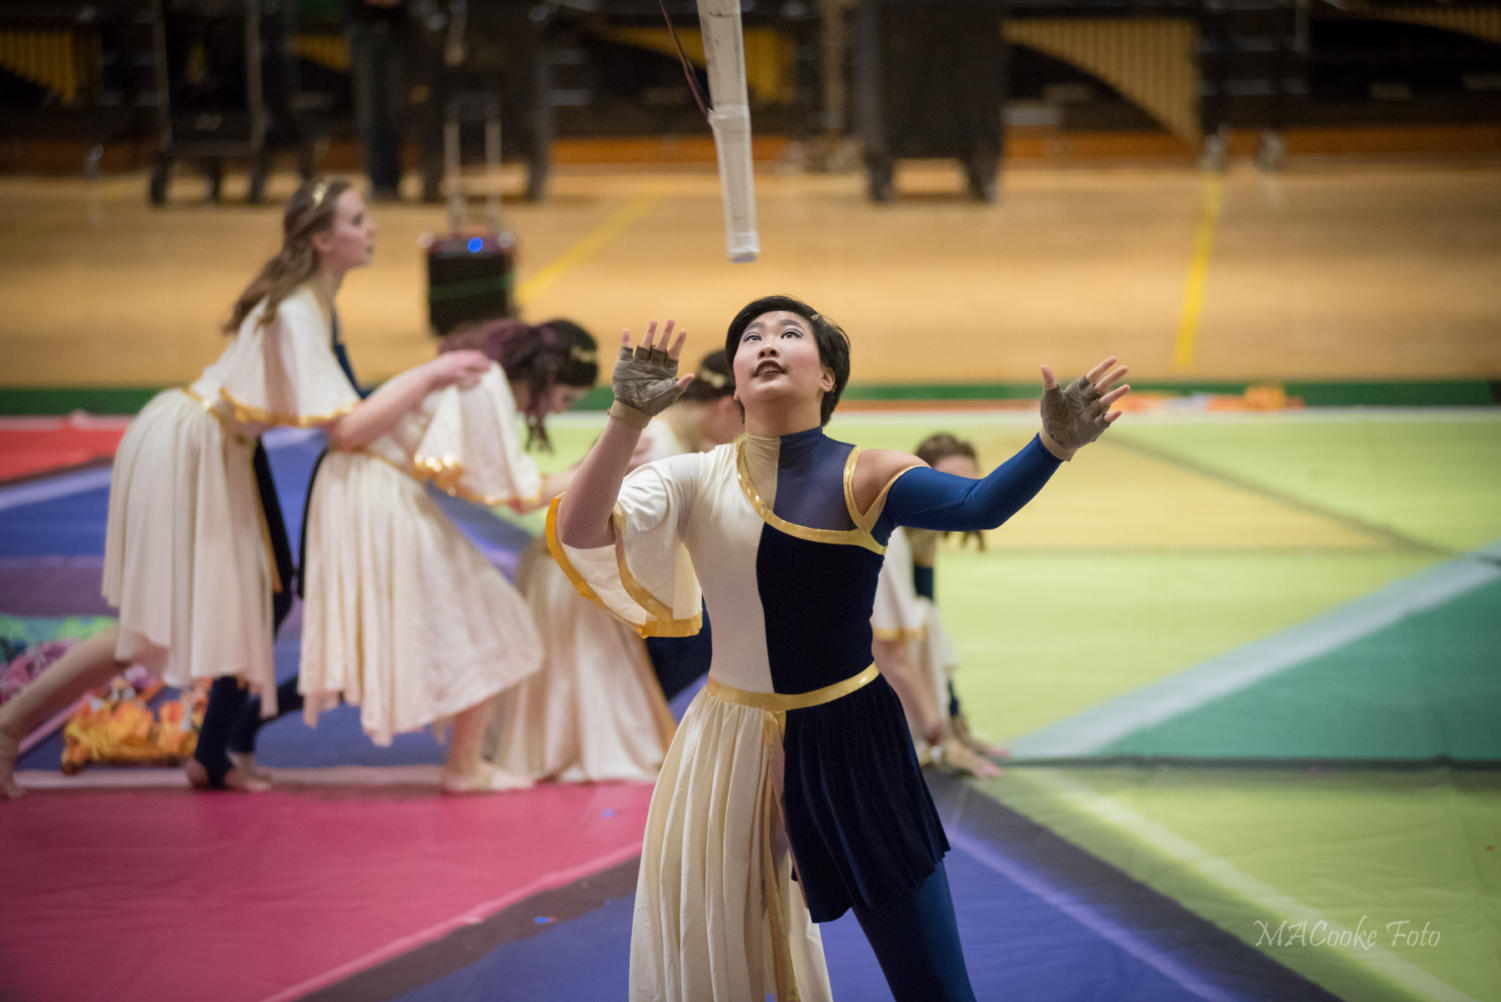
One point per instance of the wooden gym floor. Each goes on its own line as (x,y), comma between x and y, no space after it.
(1327,271)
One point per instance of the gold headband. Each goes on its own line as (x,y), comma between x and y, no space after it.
(320,190)
(584,355)
(714,379)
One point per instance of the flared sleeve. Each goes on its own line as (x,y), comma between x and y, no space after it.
(285,372)
(646,578)
(898,613)
(472,446)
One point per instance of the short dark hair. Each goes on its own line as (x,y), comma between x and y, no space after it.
(833,342)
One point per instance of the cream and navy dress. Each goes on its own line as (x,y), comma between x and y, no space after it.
(187,556)
(791,791)
(403,615)
(595,712)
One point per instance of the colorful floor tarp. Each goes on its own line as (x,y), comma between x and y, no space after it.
(1246,667)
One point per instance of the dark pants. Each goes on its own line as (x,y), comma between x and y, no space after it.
(916,942)
(229,702)
(377,70)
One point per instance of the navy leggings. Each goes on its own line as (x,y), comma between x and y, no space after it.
(916,941)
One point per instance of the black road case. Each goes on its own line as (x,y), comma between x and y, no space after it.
(225,84)
(930,82)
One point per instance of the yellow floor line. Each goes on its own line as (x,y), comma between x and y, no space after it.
(627,216)
(1198,271)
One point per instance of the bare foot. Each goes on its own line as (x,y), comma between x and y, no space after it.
(975,743)
(244,763)
(962,759)
(234,779)
(485,779)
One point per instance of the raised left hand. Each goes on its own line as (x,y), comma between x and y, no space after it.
(1074,416)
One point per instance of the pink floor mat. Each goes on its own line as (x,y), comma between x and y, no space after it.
(168,895)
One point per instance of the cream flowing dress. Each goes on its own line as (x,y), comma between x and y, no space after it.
(403,615)
(187,556)
(718,914)
(595,712)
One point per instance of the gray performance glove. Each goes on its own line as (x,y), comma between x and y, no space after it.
(1073,416)
(645,383)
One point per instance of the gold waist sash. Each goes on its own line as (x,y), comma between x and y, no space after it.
(233,432)
(781,702)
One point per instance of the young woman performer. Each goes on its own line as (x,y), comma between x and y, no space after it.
(189,556)
(403,614)
(796,743)
(597,710)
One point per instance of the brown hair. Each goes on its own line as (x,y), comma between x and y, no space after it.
(941,446)
(714,380)
(541,357)
(311,210)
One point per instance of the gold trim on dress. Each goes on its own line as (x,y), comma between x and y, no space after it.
(859,536)
(904,635)
(245,412)
(873,514)
(233,432)
(229,426)
(849,487)
(446,473)
(781,702)
(651,628)
(663,622)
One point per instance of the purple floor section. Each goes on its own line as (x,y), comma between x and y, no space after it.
(51,545)
(1039,920)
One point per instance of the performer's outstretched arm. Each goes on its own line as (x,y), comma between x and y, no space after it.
(1071,418)
(645,381)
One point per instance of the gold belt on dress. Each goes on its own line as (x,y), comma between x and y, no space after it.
(232,431)
(781,702)
(775,706)
(230,428)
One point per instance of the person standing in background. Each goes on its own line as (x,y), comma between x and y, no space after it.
(378,31)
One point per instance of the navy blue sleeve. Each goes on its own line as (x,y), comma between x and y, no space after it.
(926,499)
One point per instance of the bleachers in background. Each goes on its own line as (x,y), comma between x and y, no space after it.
(1193,71)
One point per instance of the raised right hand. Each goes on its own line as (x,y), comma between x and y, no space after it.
(645,380)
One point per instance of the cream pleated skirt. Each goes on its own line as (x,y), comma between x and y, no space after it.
(595,711)
(186,553)
(718,916)
(403,615)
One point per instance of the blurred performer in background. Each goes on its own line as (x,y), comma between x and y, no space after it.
(597,710)
(405,616)
(912,648)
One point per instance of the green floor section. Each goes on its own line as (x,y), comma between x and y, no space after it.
(1425,687)
(1042,637)
(1295,862)
(1436,480)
